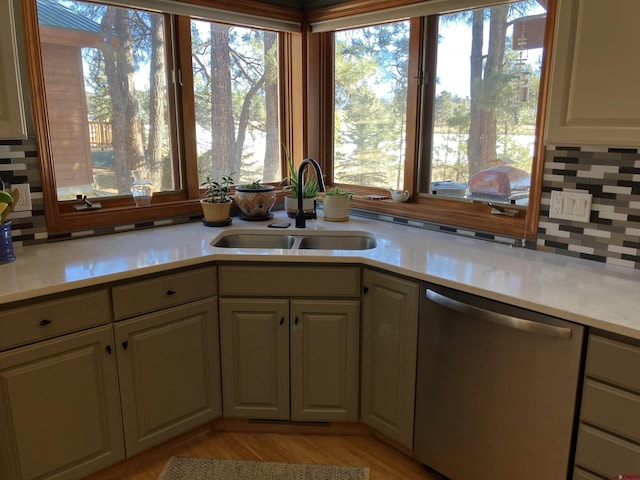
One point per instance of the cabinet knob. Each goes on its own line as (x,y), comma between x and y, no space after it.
(365,289)
(45,322)
(282,321)
(296,321)
(125,344)
(171,292)
(108,349)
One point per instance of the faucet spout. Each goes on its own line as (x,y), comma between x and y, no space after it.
(300,219)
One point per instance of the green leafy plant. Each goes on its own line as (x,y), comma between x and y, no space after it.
(339,192)
(255,185)
(310,184)
(217,191)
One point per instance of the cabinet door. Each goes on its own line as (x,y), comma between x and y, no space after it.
(255,357)
(389,348)
(60,407)
(593,96)
(12,119)
(169,372)
(324,360)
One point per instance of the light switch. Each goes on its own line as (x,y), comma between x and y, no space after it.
(571,205)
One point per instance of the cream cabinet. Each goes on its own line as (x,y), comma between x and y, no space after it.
(168,359)
(12,113)
(389,350)
(60,407)
(593,97)
(254,344)
(295,357)
(609,431)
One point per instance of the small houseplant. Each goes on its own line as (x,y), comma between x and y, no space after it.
(255,200)
(217,201)
(337,202)
(309,191)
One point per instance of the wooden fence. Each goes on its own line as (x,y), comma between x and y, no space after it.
(100,134)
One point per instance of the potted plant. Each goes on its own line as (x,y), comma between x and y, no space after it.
(216,204)
(255,200)
(309,191)
(337,202)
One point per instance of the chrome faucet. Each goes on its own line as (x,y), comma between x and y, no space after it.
(300,218)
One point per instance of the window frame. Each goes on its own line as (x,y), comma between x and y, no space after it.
(61,215)
(474,215)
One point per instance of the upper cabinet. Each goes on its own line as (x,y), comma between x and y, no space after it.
(12,118)
(594,97)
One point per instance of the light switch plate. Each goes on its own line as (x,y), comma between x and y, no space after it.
(571,205)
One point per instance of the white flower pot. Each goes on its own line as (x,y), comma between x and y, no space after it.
(291,206)
(336,208)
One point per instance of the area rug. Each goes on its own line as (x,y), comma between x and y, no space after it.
(179,468)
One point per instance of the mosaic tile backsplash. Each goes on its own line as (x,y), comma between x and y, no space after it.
(19,163)
(611,175)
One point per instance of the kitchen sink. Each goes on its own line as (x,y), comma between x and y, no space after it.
(255,240)
(338,242)
(309,240)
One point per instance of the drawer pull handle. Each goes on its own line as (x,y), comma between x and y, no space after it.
(365,289)
(281,320)
(125,344)
(171,292)
(45,322)
(296,322)
(108,349)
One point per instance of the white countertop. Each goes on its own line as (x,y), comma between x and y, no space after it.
(587,292)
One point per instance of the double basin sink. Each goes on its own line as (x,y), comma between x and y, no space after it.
(301,240)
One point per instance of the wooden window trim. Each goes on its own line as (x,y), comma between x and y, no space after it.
(61,215)
(470,215)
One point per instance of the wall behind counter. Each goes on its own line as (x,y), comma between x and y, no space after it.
(612,175)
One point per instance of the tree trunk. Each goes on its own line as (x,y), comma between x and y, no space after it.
(128,149)
(222,129)
(157,107)
(272,150)
(492,78)
(474,143)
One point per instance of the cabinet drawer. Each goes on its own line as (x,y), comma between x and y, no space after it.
(605,454)
(31,323)
(162,292)
(613,361)
(308,281)
(613,410)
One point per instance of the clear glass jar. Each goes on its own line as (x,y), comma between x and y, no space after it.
(141,188)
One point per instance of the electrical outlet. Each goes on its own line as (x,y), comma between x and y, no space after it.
(24,201)
(571,205)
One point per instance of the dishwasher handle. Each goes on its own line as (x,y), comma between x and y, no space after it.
(499,318)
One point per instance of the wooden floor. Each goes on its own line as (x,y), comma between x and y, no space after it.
(384,462)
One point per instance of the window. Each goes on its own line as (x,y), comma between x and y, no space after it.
(371,78)
(445,106)
(105,79)
(483,119)
(128,94)
(236,101)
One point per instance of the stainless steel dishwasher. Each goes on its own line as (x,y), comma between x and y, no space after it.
(496,389)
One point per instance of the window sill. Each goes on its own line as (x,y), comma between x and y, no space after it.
(464,214)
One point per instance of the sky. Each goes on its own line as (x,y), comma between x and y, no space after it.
(454,44)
